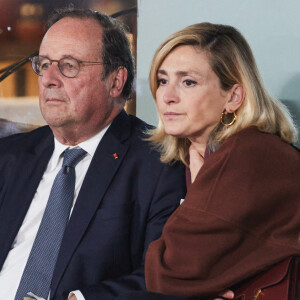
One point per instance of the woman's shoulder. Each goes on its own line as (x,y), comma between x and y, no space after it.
(250,162)
(251,142)
(251,173)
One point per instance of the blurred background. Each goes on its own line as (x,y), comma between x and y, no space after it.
(21,31)
(272,28)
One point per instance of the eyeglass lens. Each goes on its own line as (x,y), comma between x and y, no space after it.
(68,66)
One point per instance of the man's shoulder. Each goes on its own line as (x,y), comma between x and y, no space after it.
(140,127)
(139,138)
(141,150)
(8,127)
(24,140)
(140,123)
(128,127)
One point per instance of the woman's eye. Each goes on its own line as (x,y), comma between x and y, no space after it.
(161,81)
(189,82)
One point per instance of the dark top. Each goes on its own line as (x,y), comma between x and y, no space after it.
(240,216)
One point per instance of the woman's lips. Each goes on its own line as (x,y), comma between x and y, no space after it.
(171,115)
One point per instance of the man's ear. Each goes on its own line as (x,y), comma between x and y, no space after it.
(118,81)
(236,98)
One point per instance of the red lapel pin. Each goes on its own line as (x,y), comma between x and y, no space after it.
(115,155)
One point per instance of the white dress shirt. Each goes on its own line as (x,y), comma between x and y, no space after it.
(16,260)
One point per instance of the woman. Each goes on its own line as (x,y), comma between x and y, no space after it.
(241,213)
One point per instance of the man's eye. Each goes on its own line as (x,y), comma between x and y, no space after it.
(68,65)
(189,82)
(161,81)
(44,65)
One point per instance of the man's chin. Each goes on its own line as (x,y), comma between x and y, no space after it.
(55,122)
(54,117)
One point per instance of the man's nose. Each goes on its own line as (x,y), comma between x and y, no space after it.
(52,76)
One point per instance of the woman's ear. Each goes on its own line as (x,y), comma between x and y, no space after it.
(236,99)
(119,78)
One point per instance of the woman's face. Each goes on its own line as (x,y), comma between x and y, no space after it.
(189,98)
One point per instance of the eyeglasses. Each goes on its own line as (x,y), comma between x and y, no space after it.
(68,66)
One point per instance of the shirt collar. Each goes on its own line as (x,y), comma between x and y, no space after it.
(89,146)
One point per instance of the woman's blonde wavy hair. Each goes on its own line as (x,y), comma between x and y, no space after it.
(231,58)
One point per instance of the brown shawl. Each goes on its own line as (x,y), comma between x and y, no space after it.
(240,216)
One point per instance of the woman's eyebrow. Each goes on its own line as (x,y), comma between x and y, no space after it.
(181,73)
(162,72)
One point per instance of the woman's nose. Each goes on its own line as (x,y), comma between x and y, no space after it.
(170,94)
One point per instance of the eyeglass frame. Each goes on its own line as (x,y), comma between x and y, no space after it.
(58,63)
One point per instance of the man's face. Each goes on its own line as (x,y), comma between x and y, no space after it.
(81,104)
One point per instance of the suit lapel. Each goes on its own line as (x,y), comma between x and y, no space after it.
(30,166)
(105,163)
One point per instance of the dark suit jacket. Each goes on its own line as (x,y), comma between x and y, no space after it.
(122,206)
(240,216)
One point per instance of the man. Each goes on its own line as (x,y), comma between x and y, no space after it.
(123,193)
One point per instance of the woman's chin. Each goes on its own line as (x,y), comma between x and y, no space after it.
(176,133)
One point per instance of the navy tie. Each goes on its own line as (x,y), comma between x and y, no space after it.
(39,269)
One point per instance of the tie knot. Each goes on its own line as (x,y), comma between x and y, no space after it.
(73,156)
